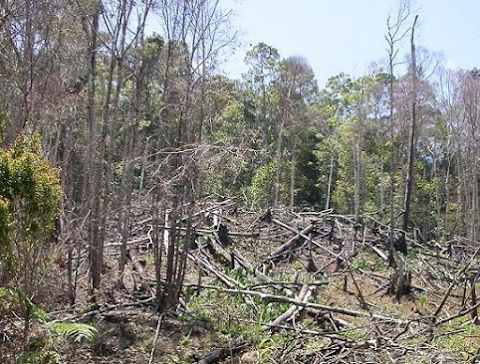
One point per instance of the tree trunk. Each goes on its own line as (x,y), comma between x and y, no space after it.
(330,181)
(292,180)
(412,139)
(278,163)
(93,168)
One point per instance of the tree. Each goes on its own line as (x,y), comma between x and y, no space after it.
(352,149)
(395,34)
(195,34)
(413,127)
(263,61)
(295,88)
(30,194)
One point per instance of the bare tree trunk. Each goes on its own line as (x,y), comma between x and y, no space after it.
(157,247)
(91,186)
(192,31)
(412,139)
(132,129)
(292,180)
(28,60)
(392,52)
(393,36)
(357,160)
(330,181)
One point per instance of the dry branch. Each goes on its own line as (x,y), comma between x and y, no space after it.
(275,298)
(289,244)
(455,282)
(293,310)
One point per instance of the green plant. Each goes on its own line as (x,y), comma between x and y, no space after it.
(422,299)
(180,359)
(264,349)
(184,339)
(43,357)
(260,191)
(359,264)
(40,348)
(72,330)
(30,193)
(355,333)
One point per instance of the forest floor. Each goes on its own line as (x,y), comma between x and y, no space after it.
(288,287)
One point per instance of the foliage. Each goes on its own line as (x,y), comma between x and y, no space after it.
(29,200)
(43,357)
(127,114)
(74,331)
(259,193)
(30,193)
(41,346)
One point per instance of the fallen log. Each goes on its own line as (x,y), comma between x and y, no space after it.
(206,266)
(293,310)
(235,257)
(299,234)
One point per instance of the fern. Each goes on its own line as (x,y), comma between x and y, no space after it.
(73,330)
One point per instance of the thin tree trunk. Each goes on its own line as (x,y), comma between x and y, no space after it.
(330,180)
(292,180)
(278,163)
(91,186)
(411,153)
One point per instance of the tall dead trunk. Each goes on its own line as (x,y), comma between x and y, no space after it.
(412,137)
(394,36)
(91,190)
(357,158)
(330,181)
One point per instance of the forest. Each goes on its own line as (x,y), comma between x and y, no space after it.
(155,210)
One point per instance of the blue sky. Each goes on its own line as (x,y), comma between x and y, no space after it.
(347,35)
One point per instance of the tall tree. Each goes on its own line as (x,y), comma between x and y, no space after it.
(263,61)
(413,127)
(93,175)
(396,32)
(195,34)
(295,88)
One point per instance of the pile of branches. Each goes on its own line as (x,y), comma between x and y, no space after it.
(326,244)
(324,247)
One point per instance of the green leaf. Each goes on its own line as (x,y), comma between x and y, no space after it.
(73,330)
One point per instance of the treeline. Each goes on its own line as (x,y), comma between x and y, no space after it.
(130,105)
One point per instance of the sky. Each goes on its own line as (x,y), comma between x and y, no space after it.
(348,35)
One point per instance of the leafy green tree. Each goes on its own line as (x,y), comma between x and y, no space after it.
(263,61)
(295,89)
(30,194)
(230,158)
(310,171)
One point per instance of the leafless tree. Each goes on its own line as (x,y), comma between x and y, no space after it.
(413,127)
